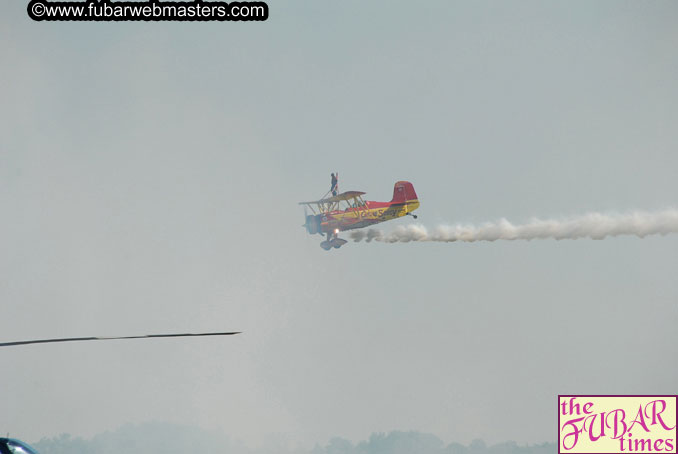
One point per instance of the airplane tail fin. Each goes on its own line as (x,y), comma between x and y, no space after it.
(403,192)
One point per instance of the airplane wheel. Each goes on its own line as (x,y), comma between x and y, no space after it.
(338,242)
(326,245)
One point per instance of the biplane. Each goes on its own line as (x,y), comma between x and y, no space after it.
(348,211)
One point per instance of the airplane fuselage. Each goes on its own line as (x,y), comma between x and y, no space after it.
(370,214)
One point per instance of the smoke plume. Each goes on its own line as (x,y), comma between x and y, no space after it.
(593,225)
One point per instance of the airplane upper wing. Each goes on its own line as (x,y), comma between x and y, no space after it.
(348,195)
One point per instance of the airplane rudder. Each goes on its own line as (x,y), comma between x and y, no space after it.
(403,191)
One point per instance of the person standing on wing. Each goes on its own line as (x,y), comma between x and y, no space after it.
(335,184)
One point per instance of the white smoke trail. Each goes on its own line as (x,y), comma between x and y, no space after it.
(593,225)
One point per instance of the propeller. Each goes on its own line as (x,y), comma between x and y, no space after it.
(305,224)
(77,339)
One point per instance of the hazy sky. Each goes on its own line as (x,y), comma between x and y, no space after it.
(149,175)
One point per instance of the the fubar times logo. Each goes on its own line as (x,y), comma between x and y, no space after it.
(617,424)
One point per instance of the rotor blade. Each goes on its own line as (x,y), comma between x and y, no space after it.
(77,339)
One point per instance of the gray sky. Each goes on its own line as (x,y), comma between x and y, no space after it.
(149,174)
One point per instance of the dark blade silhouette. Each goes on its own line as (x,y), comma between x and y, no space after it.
(77,339)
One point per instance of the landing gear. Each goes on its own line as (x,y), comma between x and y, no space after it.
(413,215)
(337,243)
(332,241)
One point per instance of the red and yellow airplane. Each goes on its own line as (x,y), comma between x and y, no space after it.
(348,211)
